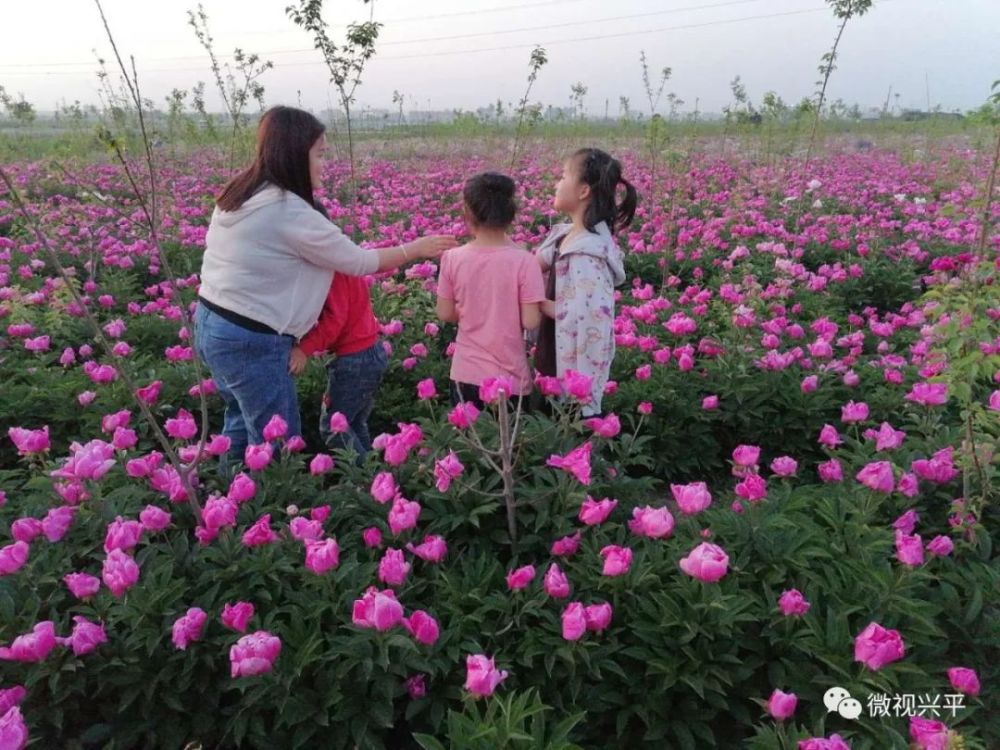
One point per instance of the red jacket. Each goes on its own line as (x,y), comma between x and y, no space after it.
(347,323)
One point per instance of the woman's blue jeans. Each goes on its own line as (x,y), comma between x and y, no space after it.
(250,371)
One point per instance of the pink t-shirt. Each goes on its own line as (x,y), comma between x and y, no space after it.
(488,285)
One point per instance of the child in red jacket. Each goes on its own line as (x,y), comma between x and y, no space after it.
(348,329)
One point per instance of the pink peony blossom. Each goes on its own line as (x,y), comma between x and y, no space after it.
(188,628)
(576,462)
(423,627)
(520,578)
(237,616)
(82,585)
(254,654)
(322,555)
(378,610)
(655,523)
(481,675)
(876,646)
(595,512)
(617,560)
(706,562)
(119,572)
(31,647)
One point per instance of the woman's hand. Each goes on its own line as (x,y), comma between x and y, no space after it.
(431,246)
(297,361)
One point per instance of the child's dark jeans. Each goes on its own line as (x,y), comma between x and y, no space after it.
(353,382)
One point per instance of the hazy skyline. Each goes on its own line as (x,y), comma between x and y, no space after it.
(445,55)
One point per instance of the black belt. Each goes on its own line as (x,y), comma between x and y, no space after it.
(236,319)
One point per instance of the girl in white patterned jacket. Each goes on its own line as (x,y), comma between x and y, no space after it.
(586,262)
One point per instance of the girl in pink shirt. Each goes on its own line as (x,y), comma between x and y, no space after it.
(492,288)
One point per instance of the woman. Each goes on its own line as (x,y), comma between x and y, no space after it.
(269,260)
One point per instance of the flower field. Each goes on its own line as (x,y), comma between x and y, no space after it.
(793,487)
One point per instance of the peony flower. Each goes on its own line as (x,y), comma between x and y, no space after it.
(792,603)
(617,560)
(598,616)
(928,394)
(303,529)
(416,687)
(372,537)
(877,476)
(90,461)
(746,455)
(181,427)
(555,583)
(426,389)
(607,427)
(831,471)
(574,621)
(13,557)
(188,628)
(322,555)
(655,523)
(393,568)
(482,676)
(260,533)
(384,487)
(853,412)
(784,466)
(520,578)
(275,429)
(378,610)
(888,437)
(321,464)
(576,462)
(122,534)
(57,522)
(254,654)
(257,457)
(30,442)
(446,470)
(964,680)
(940,546)
(86,636)
(403,515)
(422,627)
(929,734)
(154,519)
(119,572)
(691,498)
(433,549)
(595,512)
(752,487)
(567,546)
(237,616)
(578,386)
(492,390)
(782,705)
(829,437)
(909,549)
(82,585)
(706,562)
(876,646)
(13,730)
(463,415)
(32,647)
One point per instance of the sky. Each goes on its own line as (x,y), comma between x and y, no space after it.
(447,54)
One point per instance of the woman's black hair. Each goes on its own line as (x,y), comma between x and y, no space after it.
(489,198)
(603,173)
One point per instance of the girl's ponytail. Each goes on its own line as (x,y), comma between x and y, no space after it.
(625,211)
(603,174)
